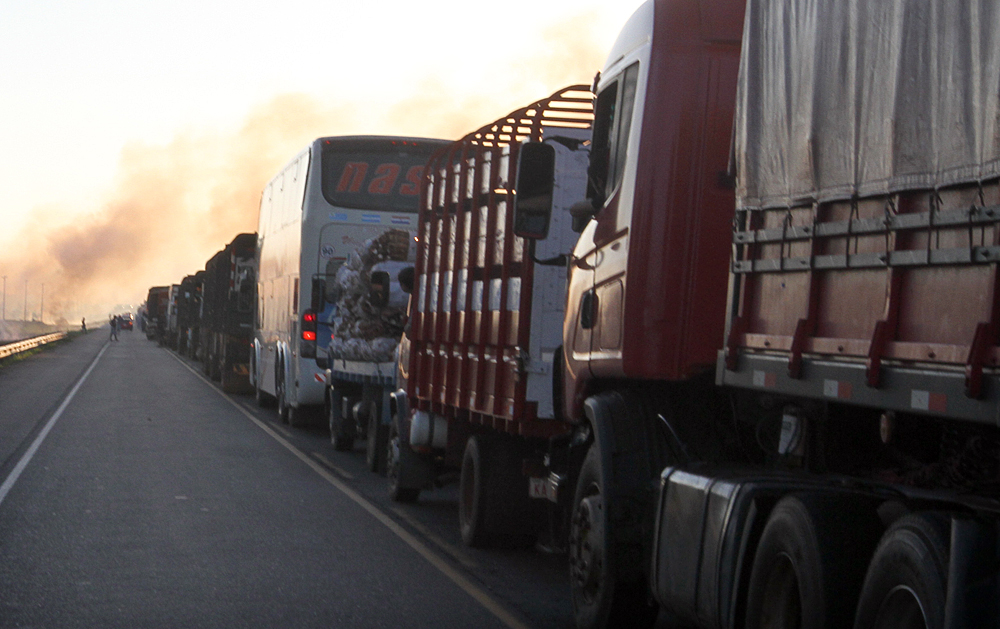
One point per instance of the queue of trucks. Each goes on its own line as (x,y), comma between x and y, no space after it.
(722,327)
(209,315)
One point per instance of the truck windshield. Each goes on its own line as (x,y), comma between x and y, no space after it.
(374,175)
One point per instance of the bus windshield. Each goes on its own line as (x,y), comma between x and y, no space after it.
(381,174)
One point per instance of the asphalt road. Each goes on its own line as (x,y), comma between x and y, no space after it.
(133,493)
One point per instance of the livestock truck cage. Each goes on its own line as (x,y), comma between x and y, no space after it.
(484,334)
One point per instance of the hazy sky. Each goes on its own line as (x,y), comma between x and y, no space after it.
(135,136)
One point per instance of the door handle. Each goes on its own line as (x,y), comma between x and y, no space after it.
(588,310)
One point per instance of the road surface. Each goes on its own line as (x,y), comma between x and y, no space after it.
(136,494)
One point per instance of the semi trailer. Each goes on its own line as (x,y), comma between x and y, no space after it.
(780,350)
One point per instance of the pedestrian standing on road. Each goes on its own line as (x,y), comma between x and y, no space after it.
(114,328)
(83,323)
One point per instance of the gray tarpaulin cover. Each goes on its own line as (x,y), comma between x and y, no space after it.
(864,97)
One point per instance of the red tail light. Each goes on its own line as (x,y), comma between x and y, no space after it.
(308,344)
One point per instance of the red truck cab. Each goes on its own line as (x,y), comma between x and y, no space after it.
(647,288)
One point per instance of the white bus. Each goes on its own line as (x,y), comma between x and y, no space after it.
(332,198)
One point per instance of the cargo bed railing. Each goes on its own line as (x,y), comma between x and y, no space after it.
(467,327)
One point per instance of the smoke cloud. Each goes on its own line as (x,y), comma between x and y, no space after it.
(172,206)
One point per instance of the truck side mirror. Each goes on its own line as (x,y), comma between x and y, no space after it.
(536,167)
(405,278)
(379,294)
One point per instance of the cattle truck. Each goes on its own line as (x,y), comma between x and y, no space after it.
(340,213)
(227,305)
(476,363)
(780,351)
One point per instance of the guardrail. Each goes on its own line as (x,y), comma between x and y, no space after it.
(22,346)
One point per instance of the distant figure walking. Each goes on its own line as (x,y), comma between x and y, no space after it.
(114,328)
(83,323)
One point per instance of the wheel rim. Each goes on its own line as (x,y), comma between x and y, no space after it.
(782,607)
(901,609)
(586,546)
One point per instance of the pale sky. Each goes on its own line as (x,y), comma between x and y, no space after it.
(100,97)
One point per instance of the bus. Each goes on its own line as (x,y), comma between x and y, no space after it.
(319,213)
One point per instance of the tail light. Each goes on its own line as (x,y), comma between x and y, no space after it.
(307,346)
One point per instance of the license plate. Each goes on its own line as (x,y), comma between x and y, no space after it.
(542,488)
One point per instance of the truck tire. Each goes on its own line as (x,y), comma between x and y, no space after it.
(810,561)
(378,436)
(907,581)
(206,362)
(227,379)
(493,504)
(398,455)
(600,597)
(341,430)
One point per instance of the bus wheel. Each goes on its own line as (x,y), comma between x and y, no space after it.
(282,402)
(263,399)
(804,573)
(906,584)
(295,416)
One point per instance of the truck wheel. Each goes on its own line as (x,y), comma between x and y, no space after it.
(227,379)
(804,573)
(378,436)
(493,504)
(341,432)
(397,454)
(907,580)
(600,598)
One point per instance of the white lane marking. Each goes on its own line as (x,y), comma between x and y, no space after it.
(26,458)
(456,577)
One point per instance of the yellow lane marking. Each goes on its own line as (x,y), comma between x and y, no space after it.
(455,554)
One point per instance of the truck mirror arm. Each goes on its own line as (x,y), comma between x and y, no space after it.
(560,260)
(582,212)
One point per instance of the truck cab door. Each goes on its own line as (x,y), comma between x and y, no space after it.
(593,325)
